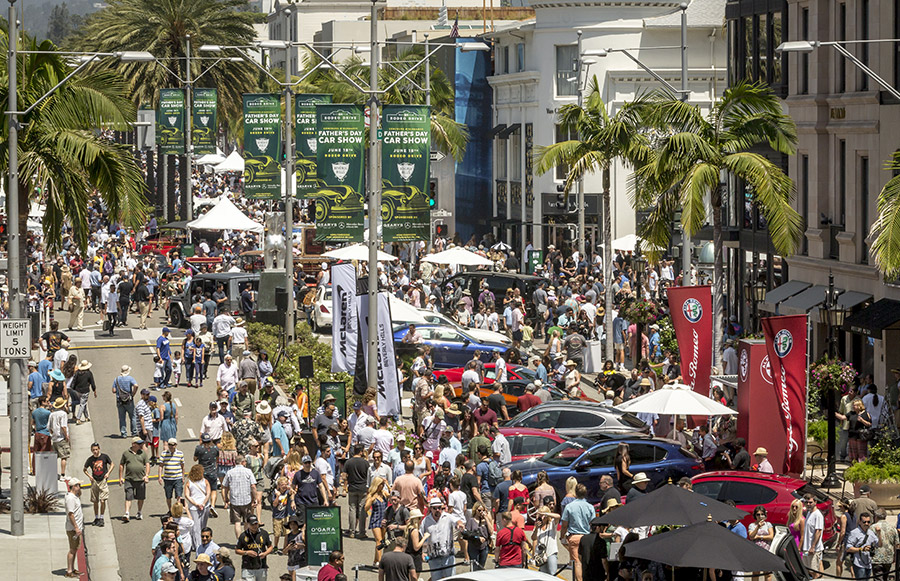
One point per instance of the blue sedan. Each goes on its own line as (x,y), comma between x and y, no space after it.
(587,461)
(449,347)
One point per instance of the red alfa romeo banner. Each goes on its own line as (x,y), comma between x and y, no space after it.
(692,317)
(786,346)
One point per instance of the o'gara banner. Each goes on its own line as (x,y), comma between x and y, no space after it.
(387,382)
(344,328)
(340,159)
(323,533)
(205,125)
(170,122)
(262,146)
(306,144)
(692,317)
(405,156)
(786,346)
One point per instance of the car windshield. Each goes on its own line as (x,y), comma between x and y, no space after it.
(526,373)
(564,454)
(629,419)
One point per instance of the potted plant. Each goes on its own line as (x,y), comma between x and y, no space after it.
(880,471)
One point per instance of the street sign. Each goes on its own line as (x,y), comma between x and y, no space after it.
(437,156)
(15,338)
(441,213)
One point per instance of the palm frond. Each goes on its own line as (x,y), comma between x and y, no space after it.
(886,228)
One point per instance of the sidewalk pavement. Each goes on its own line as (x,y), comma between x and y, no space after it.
(45,534)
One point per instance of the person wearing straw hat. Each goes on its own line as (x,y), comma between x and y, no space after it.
(125,388)
(638,487)
(83,384)
(761,455)
(58,424)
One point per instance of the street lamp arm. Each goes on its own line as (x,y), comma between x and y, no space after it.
(171,72)
(884,84)
(77,70)
(322,58)
(397,70)
(669,87)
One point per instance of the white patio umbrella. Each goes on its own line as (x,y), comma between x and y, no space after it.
(676,399)
(501,246)
(357,252)
(458,256)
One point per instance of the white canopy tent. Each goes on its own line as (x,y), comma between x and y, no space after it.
(357,252)
(404,313)
(234,162)
(211,158)
(629,241)
(458,256)
(225,216)
(676,399)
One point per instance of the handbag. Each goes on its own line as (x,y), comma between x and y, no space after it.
(867,434)
(540,555)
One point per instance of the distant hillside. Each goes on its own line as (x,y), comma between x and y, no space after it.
(35,15)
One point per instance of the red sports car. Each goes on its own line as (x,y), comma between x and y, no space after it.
(520,372)
(773,491)
(525,443)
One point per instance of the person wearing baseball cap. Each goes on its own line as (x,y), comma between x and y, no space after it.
(254,545)
(440,528)
(134,472)
(170,471)
(74,524)
(164,352)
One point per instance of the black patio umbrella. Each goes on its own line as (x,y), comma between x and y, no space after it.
(705,545)
(671,505)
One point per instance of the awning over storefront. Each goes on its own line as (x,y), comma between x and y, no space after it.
(851,299)
(497,129)
(871,321)
(782,293)
(509,130)
(804,301)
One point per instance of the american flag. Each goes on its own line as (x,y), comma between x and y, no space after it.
(454,31)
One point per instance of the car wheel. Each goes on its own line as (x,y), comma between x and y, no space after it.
(176,317)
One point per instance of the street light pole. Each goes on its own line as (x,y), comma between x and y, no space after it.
(374,180)
(16,373)
(188,145)
(288,191)
(685,237)
(831,312)
(580,184)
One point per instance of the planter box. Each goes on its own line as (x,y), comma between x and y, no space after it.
(883,493)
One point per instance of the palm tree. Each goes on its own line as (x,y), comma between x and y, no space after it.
(62,157)
(886,229)
(160,27)
(690,153)
(601,139)
(447,135)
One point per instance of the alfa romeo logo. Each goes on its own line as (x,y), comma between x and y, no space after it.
(340,169)
(693,310)
(262,143)
(205,120)
(744,364)
(765,369)
(783,342)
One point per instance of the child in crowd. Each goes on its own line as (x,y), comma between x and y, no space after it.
(177,361)
(159,372)
(281,500)
(527,335)
(154,445)
(296,547)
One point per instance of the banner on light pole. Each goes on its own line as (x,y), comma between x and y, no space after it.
(387,382)
(692,318)
(170,122)
(305,140)
(205,124)
(262,146)
(405,158)
(340,162)
(344,326)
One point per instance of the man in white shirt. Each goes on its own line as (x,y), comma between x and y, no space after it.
(58,425)
(500,445)
(762,460)
(324,467)
(469,376)
(61,355)
(382,439)
(214,423)
(499,366)
(74,524)
(813,547)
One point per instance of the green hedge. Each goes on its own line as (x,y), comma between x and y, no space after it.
(287,371)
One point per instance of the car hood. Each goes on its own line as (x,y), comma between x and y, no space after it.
(485,336)
(530,466)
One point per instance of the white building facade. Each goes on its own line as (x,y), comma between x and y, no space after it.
(534,70)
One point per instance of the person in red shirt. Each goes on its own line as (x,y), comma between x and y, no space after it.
(485,415)
(529,400)
(511,543)
(333,568)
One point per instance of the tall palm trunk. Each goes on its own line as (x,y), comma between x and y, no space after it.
(607,269)
(718,276)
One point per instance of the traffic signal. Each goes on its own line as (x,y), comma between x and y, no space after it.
(432,193)
(441,230)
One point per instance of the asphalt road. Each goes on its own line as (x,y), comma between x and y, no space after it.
(133,538)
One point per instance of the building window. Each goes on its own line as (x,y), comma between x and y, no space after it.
(747,47)
(566,83)
(804,197)
(506,68)
(515,156)
(842,62)
(762,43)
(520,57)
(842,181)
(804,57)
(500,147)
(864,205)
(733,52)
(864,48)
(776,36)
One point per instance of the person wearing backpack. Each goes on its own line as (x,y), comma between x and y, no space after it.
(124,388)
(511,543)
(489,475)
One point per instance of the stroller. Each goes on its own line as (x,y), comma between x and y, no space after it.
(271,470)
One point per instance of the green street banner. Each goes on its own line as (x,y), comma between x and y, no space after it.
(306,144)
(170,122)
(405,156)
(205,125)
(323,534)
(338,390)
(262,146)
(340,162)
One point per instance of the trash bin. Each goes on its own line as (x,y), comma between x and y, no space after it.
(187,250)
